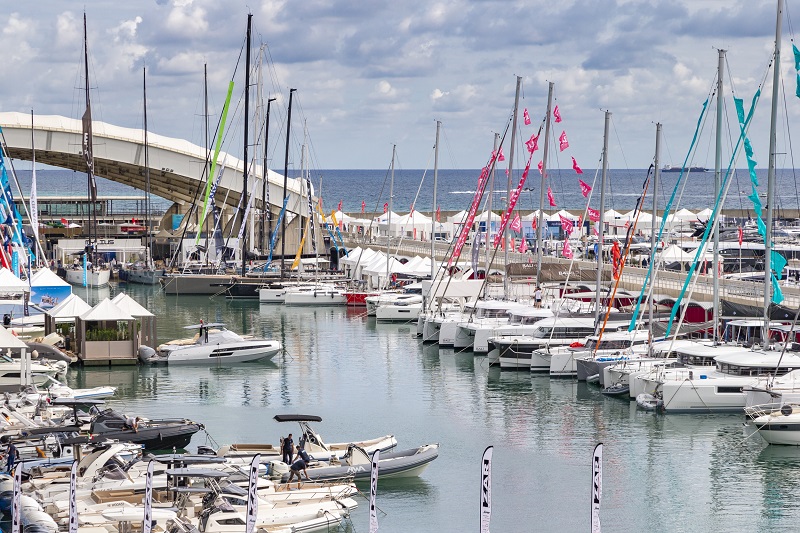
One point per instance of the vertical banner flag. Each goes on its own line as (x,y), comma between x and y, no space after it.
(340,204)
(147,524)
(476,251)
(85,266)
(563,143)
(252,495)
(741,236)
(578,170)
(585,187)
(597,486)
(16,523)
(550,197)
(385,207)
(310,221)
(438,213)
(533,143)
(15,262)
(566,224)
(34,203)
(373,489)
(486,489)
(512,203)
(567,251)
(73,498)
(526,117)
(557,114)
(797,68)
(363,206)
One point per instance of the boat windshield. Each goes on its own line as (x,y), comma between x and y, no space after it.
(491,313)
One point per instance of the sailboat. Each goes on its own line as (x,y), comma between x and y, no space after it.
(91,275)
(146,274)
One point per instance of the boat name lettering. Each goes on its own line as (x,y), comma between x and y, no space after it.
(596,480)
(355,469)
(485,483)
(100,241)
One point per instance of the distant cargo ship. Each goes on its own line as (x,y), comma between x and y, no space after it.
(670,168)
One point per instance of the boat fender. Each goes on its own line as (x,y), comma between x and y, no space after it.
(786,410)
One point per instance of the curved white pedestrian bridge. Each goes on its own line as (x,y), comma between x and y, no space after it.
(176,165)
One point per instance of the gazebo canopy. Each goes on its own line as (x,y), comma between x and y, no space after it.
(44,277)
(105,311)
(72,306)
(130,306)
(8,340)
(11,284)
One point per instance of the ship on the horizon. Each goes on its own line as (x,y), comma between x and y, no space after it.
(670,168)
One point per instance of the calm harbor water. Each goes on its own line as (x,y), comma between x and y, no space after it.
(661,473)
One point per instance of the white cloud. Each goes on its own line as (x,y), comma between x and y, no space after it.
(185,18)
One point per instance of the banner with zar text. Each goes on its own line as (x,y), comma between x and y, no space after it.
(486,489)
(373,489)
(73,499)
(252,495)
(597,486)
(147,524)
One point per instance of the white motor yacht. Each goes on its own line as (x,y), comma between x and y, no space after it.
(95,277)
(405,310)
(779,426)
(213,344)
(487,315)
(316,295)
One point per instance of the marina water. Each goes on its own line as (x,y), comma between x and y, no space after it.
(661,473)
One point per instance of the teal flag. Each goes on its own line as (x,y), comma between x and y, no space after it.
(796,57)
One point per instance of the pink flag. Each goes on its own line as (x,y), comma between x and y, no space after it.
(566,224)
(385,207)
(498,154)
(526,117)
(550,197)
(557,114)
(523,246)
(438,213)
(585,187)
(540,167)
(532,143)
(516,224)
(578,170)
(594,229)
(563,143)
(567,251)
(363,206)
(594,214)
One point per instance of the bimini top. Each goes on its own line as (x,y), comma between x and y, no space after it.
(209,325)
(297,418)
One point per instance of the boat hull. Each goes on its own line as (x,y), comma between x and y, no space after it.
(205,354)
(144,277)
(94,278)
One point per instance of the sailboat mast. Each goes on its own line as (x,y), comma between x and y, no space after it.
(653,235)
(601,229)
(34,200)
(506,240)
(243,244)
(540,227)
(776,81)
(717,185)
(489,207)
(389,216)
(148,243)
(434,209)
(87,150)
(266,218)
(208,177)
(285,183)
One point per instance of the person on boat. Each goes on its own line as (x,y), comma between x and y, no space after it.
(300,463)
(133,423)
(287,446)
(537,296)
(12,454)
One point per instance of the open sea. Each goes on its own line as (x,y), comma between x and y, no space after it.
(661,473)
(456,189)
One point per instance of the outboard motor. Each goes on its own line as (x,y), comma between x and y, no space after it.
(146,353)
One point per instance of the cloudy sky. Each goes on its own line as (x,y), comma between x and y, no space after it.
(370,74)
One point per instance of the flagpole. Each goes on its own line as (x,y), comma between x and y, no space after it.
(286,183)
(540,229)
(601,222)
(717,182)
(489,209)
(434,211)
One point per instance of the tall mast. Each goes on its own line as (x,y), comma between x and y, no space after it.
(600,231)
(489,206)
(435,211)
(776,81)
(653,235)
(245,176)
(285,183)
(540,227)
(389,217)
(87,150)
(205,136)
(510,185)
(717,185)
(266,219)
(148,249)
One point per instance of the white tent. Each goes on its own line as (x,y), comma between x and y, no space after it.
(130,306)
(674,253)
(531,216)
(483,217)
(11,284)
(71,307)
(684,214)
(566,214)
(705,214)
(9,340)
(105,311)
(458,218)
(44,277)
